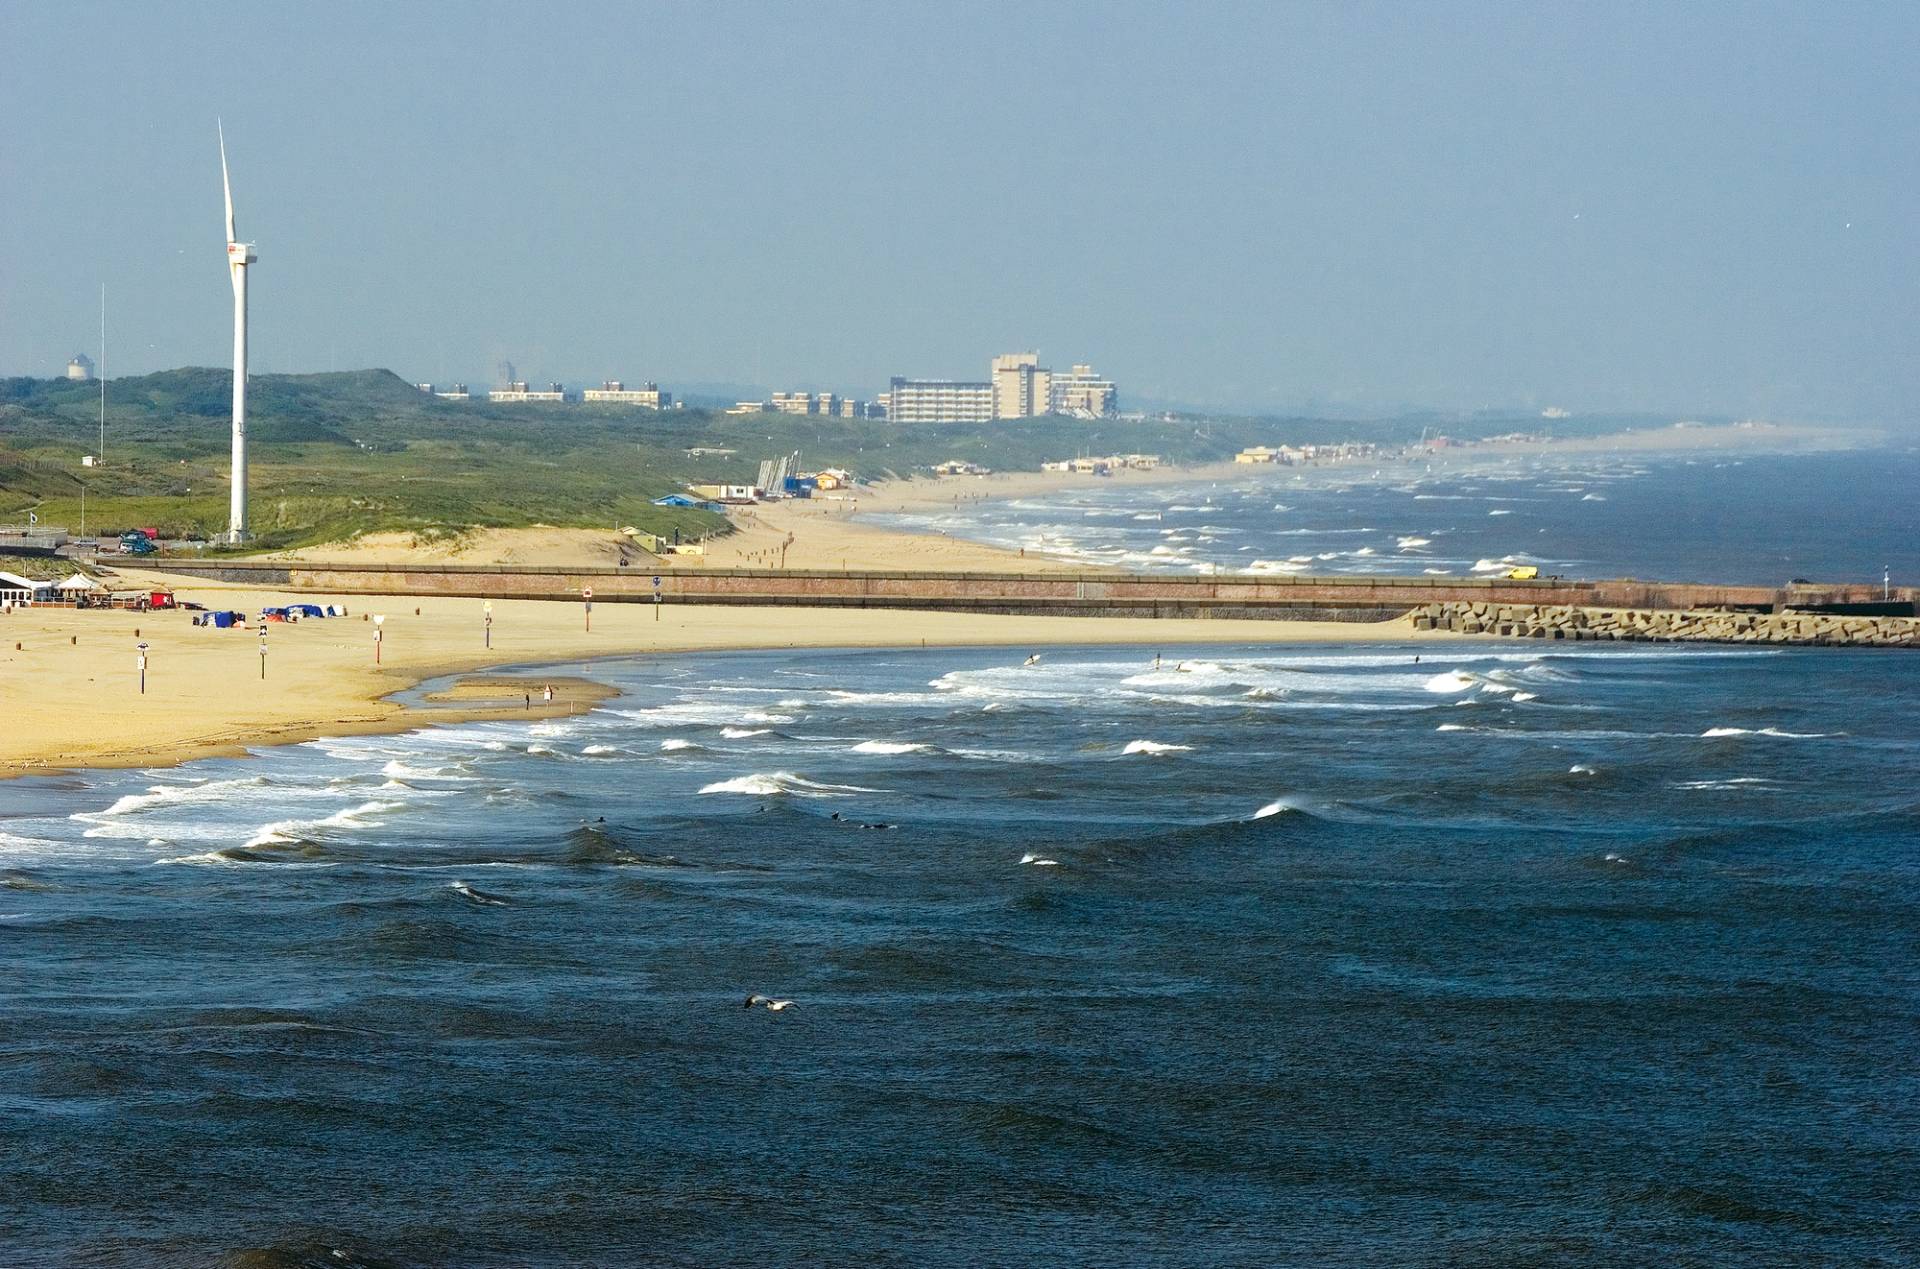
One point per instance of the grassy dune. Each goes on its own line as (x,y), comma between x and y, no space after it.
(334,455)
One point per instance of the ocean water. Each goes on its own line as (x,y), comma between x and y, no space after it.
(1306,955)
(1736,518)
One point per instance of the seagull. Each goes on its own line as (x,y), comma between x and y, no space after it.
(772,1005)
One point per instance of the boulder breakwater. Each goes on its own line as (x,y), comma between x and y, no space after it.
(1710,625)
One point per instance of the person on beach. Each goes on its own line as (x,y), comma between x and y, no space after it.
(547,693)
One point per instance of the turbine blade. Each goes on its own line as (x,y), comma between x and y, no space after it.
(226,183)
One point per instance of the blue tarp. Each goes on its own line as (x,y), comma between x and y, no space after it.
(307,610)
(226,619)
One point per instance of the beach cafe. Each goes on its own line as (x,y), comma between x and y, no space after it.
(19,592)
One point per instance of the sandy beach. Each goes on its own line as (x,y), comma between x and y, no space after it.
(69,689)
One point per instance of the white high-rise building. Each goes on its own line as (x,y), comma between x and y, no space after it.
(939,401)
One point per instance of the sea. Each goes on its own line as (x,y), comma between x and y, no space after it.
(1738,518)
(1484,953)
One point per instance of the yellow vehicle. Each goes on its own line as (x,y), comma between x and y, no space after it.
(1524,573)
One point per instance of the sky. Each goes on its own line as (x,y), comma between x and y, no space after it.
(1692,208)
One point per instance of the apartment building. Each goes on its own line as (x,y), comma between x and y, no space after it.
(1022,387)
(517,390)
(1083,394)
(614,392)
(939,401)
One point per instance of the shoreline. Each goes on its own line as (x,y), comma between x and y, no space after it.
(762,529)
(71,688)
(67,677)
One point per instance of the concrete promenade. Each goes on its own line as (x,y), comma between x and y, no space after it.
(1052,594)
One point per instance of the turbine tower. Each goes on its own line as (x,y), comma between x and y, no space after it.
(239,256)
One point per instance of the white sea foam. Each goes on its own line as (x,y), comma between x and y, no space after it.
(161,795)
(15,844)
(1581,768)
(598,750)
(398,770)
(672,746)
(1499,511)
(282,831)
(1411,543)
(1715,733)
(1453,727)
(890,747)
(740,733)
(698,713)
(1451,681)
(205,859)
(1153,747)
(774,783)
(1272,808)
(1039,861)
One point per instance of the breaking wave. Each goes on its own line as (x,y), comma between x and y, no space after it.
(775,783)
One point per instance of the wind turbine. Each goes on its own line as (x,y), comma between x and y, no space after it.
(239,256)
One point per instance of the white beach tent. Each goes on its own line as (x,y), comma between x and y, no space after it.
(15,589)
(77,584)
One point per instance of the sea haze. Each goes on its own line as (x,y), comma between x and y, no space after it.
(1736,518)
(1323,954)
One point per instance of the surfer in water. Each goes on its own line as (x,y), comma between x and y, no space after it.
(1033,658)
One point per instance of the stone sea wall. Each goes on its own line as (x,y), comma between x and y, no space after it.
(1705,625)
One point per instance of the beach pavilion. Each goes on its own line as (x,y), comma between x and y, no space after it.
(15,589)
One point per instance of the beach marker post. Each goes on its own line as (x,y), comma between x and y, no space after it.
(141,661)
(488,608)
(586,597)
(263,654)
(656,597)
(379,621)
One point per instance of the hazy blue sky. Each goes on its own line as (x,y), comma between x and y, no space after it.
(1694,207)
